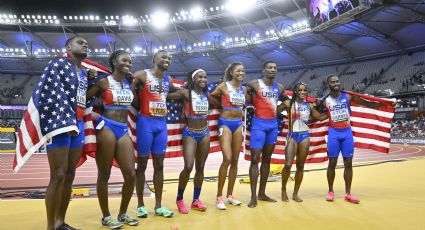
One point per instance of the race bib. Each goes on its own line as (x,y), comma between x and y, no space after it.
(157,108)
(81,91)
(340,115)
(237,99)
(200,106)
(122,97)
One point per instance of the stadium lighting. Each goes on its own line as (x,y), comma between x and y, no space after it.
(196,13)
(240,6)
(160,19)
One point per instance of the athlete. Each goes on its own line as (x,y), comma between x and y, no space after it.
(232,95)
(298,137)
(264,94)
(63,99)
(340,136)
(113,141)
(196,135)
(151,89)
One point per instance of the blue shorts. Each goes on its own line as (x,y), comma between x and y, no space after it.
(298,136)
(340,140)
(232,124)
(66,140)
(263,132)
(151,135)
(119,129)
(198,136)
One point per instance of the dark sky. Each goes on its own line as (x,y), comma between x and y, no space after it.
(99,7)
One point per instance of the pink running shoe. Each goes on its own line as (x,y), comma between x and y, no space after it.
(197,205)
(330,196)
(182,207)
(220,203)
(352,199)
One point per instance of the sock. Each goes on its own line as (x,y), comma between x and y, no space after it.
(180,194)
(196,193)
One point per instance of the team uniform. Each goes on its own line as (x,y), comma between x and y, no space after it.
(264,127)
(235,100)
(151,123)
(116,97)
(198,110)
(64,139)
(300,113)
(340,135)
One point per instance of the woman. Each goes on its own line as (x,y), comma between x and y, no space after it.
(298,136)
(196,135)
(230,129)
(113,141)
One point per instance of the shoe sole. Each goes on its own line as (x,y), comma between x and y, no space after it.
(200,209)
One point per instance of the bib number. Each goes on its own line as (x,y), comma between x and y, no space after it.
(157,109)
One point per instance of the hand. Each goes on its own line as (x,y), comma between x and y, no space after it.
(91,74)
(130,75)
(73,133)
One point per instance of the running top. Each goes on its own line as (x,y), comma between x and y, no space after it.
(265,100)
(235,100)
(199,106)
(118,95)
(338,111)
(152,99)
(300,113)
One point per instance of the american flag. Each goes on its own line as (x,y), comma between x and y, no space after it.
(51,109)
(371,130)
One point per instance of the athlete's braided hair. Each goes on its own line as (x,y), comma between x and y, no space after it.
(114,56)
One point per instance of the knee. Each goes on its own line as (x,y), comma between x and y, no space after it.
(130,175)
(226,161)
(254,160)
(300,167)
(141,168)
(288,165)
(58,176)
(103,175)
(234,163)
(188,168)
(70,175)
(158,166)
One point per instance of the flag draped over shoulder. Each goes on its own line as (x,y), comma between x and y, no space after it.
(51,109)
(371,130)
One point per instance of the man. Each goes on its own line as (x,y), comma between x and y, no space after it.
(340,136)
(55,118)
(264,94)
(151,88)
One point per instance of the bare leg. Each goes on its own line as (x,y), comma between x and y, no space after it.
(73,159)
(58,161)
(253,176)
(301,157)
(237,139)
(125,159)
(106,145)
(189,150)
(141,179)
(225,144)
(348,173)
(264,173)
(331,172)
(290,152)
(158,177)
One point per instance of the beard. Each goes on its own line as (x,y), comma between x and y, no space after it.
(80,55)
